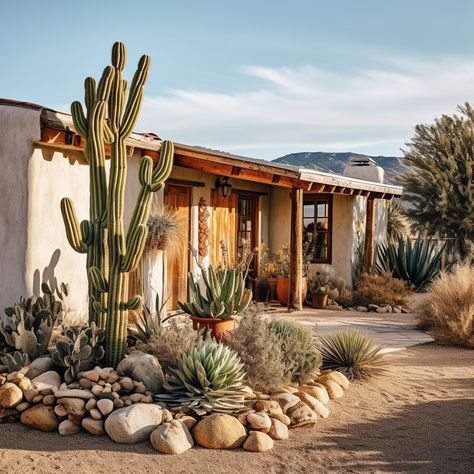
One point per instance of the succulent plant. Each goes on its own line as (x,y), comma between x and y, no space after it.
(14,362)
(28,325)
(226,294)
(208,378)
(79,349)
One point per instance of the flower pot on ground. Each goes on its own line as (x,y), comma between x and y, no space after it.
(320,300)
(283,290)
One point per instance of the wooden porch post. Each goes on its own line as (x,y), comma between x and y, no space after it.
(369,235)
(296,250)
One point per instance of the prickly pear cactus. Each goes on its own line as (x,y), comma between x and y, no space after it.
(14,362)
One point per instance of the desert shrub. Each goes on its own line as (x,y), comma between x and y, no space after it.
(169,342)
(352,353)
(259,350)
(381,290)
(449,313)
(299,352)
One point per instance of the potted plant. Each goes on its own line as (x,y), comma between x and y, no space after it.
(320,297)
(323,282)
(268,274)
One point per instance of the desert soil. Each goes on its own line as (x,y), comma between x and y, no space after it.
(418,417)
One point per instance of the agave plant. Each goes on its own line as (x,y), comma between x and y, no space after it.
(14,362)
(208,378)
(352,353)
(416,261)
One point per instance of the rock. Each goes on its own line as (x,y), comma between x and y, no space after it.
(74,393)
(49,380)
(384,309)
(21,407)
(76,419)
(148,399)
(40,417)
(91,375)
(91,404)
(219,431)
(67,428)
(166,415)
(96,414)
(86,383)
(30,394)
(39,366)
(258,442)
(95,427)
(140,387)
(172,438)
(7,414)
(262,396)
(362,309)
(10,395)
(301,415)
(283,418)
(334,307)
(142,368)
(259,421)
(60,411)
(112,378)
(15,377)
(373,307)
(404,310)
(74,406)
(133,424)
(315,405)
(189,421)
(37,399)
(397,309)
(338,377)
(97,390)
(278,430)
(136,397)
(317,391)
(25,384)
(108,396)
(49,400)
(271,407)
(116,387)
(105,406)
(118,403)
(333,388)
(286,400)
(291,389)
(126,383)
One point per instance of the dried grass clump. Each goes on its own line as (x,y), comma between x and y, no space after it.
(169,342)
(381,290)
(449,315)
(259,350)
(352,353)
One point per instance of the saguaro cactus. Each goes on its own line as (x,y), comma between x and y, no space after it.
(112,253)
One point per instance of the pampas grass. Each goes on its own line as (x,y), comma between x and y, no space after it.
(449,313)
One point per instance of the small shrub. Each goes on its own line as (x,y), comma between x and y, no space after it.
(259,349)
(299,352)
(449,315)
(352,353)
(381,290)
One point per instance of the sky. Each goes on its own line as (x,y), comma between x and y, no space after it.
(258,78)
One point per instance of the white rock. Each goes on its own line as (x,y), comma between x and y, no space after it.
(39,366)
(105,406)
(278,430)
(47,380)
(259,421)
(258,442)
(74,393)
(172,438)
(67,428)
(144,368)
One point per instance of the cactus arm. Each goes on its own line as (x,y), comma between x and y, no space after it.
(97,280)
(79,119)
(74,234)
(134,249)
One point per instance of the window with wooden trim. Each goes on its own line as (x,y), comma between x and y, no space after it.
(317,228)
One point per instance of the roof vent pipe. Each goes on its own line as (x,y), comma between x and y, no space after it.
(365,168)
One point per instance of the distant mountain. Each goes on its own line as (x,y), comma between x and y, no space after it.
(335,163)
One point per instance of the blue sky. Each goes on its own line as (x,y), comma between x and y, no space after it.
(261,78)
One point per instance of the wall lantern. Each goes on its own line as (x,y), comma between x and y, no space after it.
(223,186)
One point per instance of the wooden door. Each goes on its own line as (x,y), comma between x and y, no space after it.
(179,198)
(223,226)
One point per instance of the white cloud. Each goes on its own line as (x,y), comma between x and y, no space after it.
(310,109)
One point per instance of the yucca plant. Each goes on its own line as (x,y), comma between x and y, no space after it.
(352,353)
(209,378)
(416,261)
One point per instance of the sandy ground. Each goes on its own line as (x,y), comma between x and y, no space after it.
(418,417)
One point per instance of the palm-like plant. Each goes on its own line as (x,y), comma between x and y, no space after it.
(208,378)
(416,261)
(396,221)
(352,353)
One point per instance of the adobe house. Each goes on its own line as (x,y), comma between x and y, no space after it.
(41,159)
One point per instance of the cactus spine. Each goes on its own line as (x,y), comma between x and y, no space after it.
(111,252)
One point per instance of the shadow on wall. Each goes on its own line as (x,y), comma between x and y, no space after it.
(72,156)
(47,275)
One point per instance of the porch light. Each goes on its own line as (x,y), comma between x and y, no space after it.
(223,186)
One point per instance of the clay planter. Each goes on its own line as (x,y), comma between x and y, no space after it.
(272,287)
(217,326)
(283,290)
(320,300)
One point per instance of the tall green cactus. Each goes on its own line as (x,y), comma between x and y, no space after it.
(111,252)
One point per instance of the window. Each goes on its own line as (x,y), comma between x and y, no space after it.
(317,228)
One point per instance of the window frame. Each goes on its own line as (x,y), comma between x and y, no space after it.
(314,199)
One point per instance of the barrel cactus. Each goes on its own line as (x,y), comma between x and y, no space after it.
(14,362)
(208,378)
(226,294)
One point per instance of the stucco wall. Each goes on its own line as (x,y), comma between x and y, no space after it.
(279,218)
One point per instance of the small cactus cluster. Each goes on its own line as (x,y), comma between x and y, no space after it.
(79,349)
(209,378)
(28,325)
(14,362)
(226,294)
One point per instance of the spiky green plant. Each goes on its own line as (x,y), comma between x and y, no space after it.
(226,294)
(416,261)
(79,349)
(110,117)
(208,378)
(352,353)
(14,362)
(396,220)
(298,348)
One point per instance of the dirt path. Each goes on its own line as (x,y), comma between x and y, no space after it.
(418,417)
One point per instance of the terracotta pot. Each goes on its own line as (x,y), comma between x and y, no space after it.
(217,326)
(320,300)
(283,290)
(272,287)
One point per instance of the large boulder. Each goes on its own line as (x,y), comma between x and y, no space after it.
(219,431)
(40,417)
(134,423)
(47,381)
(10,395)
(143,368)
(258,442)
(39,366)
(172,438)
